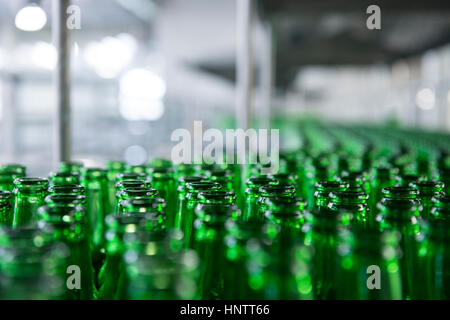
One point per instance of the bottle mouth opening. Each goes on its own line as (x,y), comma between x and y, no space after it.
(214,209)
(287,212)
(441,200)
(278,188)
(137,191)
(216,196)
(286,201)
(30,182)
(427,185)
(190,179)
(331,185)
(5,195)
(63,213)
(65,198)
(66,188)
(259,181)
(143,202)
(406,204)
(349,195)
(130,176)
(130,184)
(202,186)
(400,192)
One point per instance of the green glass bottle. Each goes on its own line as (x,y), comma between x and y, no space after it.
(438,251)
(70,167)
(252,195)
(283,203)
(288,273)
(325,227)
(160,163)
(323,190)
(182,201)
(383,176)
(193,189)
(162,179)
(29,194)
(18,170)
(354,202)
(444,176)
(272,191)
(7,181)
(222,176)
(67,224)
(183,170)
(110,277)
(427,190)
(208,241)
(130,193)
(241,280)
(8,174)
(357,180)
(124,184)
(6,209)
(70,200)
(131,176)
(75,189)
(286,178)
(113,167)
(60,178)
(399,211)
(158,269)
(405,180)
(95,182)
(144,205)
(360,254)
(31,266)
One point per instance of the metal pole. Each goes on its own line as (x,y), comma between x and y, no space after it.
(267,68)
(10,81)
(60,34)
(244,63)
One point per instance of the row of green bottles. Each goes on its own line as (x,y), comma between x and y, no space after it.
(348,202)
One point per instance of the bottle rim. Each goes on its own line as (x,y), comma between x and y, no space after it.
(66,188)
(130,176)
(130,183)
(326,185)
(30,182)
(400,192)
(216,196)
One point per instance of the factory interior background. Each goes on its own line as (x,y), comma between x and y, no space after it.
(141,69)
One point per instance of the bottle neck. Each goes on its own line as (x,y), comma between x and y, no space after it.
(348,197)
(143,205)
(427,189)
(220,197)
(124,184)
(30,186)
(65,199)
(400,193)
(67,189)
